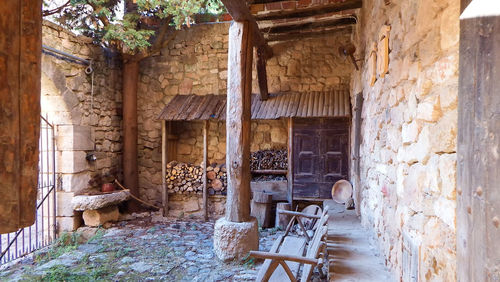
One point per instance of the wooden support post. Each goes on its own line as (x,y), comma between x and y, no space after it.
(164,140)
(130,169)
(238,121)
(478,160)
(262,73)
(289,175)
(205,163)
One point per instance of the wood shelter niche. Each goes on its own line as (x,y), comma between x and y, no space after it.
(331,108)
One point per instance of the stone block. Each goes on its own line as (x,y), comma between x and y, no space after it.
(74,138)
(448,175)
(410,132)
(444,137)
(446,210)
(68,223)
(72,161)
(64,206)
(429,109)
(450,26)
(75,182)
(101,216)
(234,240)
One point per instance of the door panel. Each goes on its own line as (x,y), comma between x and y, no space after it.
(320,156)
(306,164)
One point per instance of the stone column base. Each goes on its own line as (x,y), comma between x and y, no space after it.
(233,240)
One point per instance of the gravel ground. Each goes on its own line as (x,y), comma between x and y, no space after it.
(144,248)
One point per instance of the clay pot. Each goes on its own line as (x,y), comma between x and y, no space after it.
(107,187)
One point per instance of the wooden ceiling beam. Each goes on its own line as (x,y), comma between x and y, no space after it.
(310,25)
(289,36)
(309,12)
(240,12)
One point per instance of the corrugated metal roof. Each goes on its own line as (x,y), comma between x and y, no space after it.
(334,103)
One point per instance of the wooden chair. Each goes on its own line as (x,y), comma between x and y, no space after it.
(287,253)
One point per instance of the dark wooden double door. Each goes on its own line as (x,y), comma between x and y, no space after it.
(320,156)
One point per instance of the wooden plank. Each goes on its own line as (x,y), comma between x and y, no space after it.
(357,144)
(262,73)
(200,107)
(308,26)
(238,122)
(20,54)
(164,167)
(205,163)
(262,109)
(293,246)
(280,105)
(478,163)
(290,161)
(314,33)
(310,12)
(239,11)
(210,107)
(313,252)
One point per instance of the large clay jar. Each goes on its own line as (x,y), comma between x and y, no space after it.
(107,187)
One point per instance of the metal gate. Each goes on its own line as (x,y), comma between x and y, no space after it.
(43,231)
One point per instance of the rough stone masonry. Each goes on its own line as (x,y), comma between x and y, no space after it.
(409,134)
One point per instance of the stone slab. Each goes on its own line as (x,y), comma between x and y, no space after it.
(94,202)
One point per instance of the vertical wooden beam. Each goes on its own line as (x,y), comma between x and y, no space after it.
(205,164)
(20,72)
(478,150)
(164,140)
(238,121)
(357,144)
(130,168)
(290,162)
(262,73)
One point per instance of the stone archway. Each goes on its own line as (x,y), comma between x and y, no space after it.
(62,107)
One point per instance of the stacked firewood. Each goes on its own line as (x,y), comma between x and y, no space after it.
(187,178)
(269,160)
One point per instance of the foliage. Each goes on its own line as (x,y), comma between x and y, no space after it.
(132,29)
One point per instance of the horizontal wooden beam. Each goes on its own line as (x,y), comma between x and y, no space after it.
(289,36)
(310,25)
(265,1)
(310,12)
(240,12)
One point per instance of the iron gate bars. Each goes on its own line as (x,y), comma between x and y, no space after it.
(43,231)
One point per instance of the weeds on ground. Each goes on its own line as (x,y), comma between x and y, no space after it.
(62,273)
(98,235)
(249,262)
(65,243)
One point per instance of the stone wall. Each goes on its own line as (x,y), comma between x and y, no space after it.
(409,127)
(84,122)
(195,62)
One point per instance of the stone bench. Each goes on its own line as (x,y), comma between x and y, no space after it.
(99,209)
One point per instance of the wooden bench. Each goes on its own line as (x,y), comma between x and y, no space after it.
(287,253)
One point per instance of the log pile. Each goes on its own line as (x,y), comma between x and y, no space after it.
(269,160)
(184,178)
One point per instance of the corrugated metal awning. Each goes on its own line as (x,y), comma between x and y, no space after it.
(334,103)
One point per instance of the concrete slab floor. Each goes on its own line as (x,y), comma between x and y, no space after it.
(351,255)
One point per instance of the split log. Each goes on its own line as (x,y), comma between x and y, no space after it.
(282,219)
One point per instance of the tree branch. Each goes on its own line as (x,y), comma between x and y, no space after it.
(55,10)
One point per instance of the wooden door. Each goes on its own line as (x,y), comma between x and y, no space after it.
(20,72)
(320,156)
